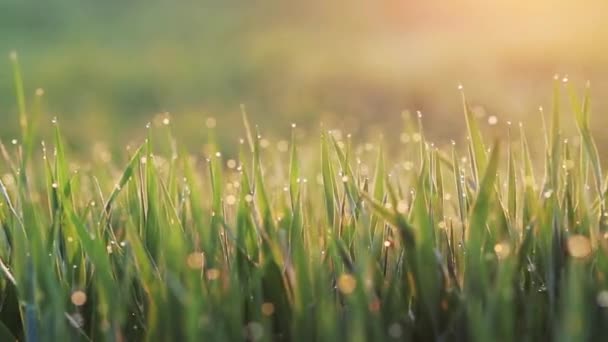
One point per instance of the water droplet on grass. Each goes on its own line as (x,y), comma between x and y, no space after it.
(267,309)
(602,299)
(395,331)
(230,199)
(254,331)
(402,207)
(283,146)
(408,165)
(579,246)
(78,298)
(210,122)
(195,260)
(502,250)
(76,320)
(213,274)
(347,283)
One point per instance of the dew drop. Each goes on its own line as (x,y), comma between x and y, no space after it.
(402,207)
(579,246)
(502,250)
(602,299)
(213,274)
(267,309)
(395,331)
(230,199)
(195,260)
(210,122)
(283,146)
(78,298)
(255,331)
(347,283)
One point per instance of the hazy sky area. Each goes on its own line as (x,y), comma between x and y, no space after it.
(111,66)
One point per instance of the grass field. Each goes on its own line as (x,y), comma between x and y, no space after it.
(322,238)
(108,66)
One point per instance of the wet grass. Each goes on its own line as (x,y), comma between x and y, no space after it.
(320,239)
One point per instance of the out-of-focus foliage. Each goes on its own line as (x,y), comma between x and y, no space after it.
(114,64)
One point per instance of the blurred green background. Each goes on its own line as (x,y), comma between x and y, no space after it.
(108,67)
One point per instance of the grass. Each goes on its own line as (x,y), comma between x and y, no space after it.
(323,240)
